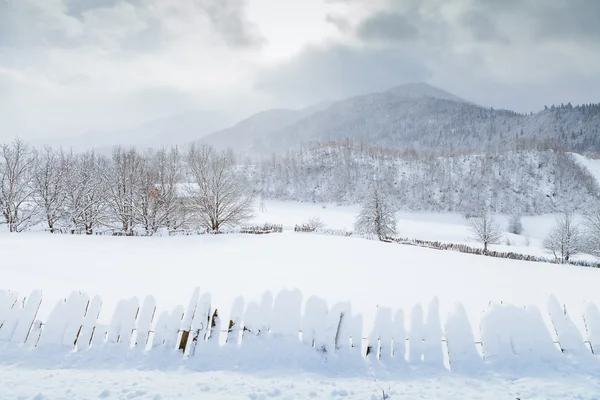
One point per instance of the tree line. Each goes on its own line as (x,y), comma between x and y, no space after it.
(130,191)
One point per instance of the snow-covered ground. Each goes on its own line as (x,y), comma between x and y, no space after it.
(592,164)
(366,273)
(20,383)
(443,227)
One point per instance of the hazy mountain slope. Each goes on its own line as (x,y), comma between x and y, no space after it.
(419,90)
(417,116)
(243,136)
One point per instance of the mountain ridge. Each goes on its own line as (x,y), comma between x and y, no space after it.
(422,117)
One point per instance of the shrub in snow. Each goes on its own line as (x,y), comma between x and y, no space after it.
(514,225)
(313,224)
(565,239)
(376,216)
(485,229)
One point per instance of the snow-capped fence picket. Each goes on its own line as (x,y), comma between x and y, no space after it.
(275,331)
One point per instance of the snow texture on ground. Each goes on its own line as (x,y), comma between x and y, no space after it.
(383,283)
(19,383)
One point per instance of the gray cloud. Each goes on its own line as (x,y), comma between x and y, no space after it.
(65,65)
(501,53)
(74,23)
(228,18)
(551,20)
(391,26)
(341,23)
(337,71)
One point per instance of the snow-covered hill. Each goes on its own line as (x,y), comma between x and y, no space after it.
(527,182)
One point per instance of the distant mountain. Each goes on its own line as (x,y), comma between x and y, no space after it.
(173,130)
(243,136)
(415,116)
(422,90)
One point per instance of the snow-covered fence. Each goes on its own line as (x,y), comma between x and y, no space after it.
(262,229)
(275,331)
(437,245)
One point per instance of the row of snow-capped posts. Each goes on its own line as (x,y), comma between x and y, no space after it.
(507,333)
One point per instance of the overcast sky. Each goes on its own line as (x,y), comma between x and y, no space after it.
(68,66)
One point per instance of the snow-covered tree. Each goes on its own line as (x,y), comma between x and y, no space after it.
(86,192)
(50,180)
(565,239)
(156,200)
(485,229)
(514,225)
(122,179)
(219,196)
(17,165)
(376,216)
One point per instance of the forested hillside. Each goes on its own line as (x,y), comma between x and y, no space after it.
(528,182)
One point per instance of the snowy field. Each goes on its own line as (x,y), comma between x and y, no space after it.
(443,227)
(162,385)
(367,273)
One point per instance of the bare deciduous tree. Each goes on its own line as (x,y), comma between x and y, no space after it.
(484,229)
(86,203)
(219,197)
(157,202)
(17,163)
(50,185)
(376,216)
(122,183)
(565,239)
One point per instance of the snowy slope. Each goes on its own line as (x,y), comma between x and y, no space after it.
(227,266)
(592,165)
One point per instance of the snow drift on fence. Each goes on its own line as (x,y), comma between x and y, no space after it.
(278,332)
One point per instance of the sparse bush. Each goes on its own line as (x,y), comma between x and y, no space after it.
(315,223)
(565,239)
(485,229)
(514,225)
